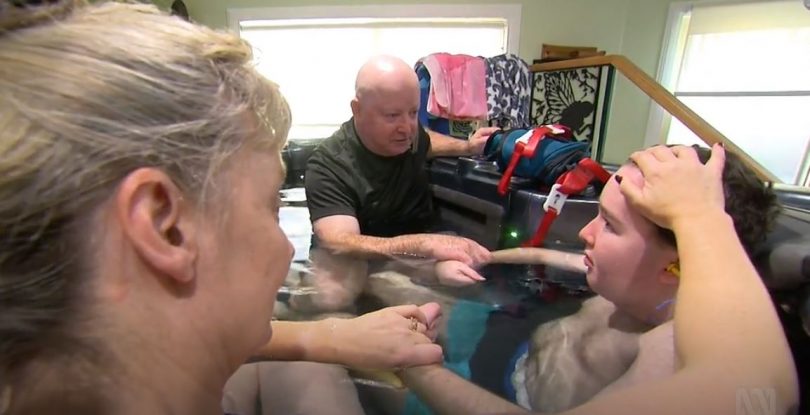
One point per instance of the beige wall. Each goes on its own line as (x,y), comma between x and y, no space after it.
(642,36)
(630,27)
(165,4)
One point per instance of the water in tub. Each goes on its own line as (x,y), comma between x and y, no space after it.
(487,330)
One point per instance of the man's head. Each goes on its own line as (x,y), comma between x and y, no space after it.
(385,105)
(628,255)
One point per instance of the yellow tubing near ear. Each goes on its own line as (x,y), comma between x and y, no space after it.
(674,268)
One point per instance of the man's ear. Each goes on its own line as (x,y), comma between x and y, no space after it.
(157,220)
(355,104)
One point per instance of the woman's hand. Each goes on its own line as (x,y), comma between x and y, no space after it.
(677,186)
(391,338)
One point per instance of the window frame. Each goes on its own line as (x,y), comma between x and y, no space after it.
(668,73)
(510,12)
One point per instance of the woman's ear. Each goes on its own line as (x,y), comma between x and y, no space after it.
(158,221)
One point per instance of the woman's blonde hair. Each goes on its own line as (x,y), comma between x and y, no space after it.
(87,95)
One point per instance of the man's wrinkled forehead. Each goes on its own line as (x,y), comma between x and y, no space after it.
(394,101)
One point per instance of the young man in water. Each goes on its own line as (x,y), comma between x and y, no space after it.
(624,335)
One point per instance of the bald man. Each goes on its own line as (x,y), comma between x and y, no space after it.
(367,186)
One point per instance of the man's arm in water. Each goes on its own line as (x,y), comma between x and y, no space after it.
(341,235)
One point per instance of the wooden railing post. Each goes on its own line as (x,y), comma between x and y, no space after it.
(665,99)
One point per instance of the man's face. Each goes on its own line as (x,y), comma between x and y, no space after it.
(387,120)
(624,253)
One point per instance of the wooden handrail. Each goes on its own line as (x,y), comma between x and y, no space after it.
(665,99)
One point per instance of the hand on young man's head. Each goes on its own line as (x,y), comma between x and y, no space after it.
(676,184)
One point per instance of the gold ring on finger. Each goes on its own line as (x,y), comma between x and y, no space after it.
(414,324)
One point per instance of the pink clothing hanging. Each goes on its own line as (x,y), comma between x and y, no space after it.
(458,87)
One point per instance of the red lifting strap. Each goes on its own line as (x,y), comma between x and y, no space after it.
(569,183)
(526,147)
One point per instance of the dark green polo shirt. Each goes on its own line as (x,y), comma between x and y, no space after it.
(389,196)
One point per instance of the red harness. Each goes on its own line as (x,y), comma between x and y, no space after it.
(569,183)
(526,147)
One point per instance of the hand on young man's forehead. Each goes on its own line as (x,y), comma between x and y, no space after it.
(632,173)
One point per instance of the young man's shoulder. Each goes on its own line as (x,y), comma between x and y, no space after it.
(655,360)
(660,338)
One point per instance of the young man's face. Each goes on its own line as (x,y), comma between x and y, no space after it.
(626,257)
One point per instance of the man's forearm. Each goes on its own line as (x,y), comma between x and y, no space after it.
(446,146)
(373,246)
(448,394)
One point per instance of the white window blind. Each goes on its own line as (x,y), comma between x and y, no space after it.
(744,69)
(315,60)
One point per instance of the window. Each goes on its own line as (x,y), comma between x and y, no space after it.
(314,53)
(744,69)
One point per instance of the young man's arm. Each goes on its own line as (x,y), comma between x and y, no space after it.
(569,261)
(448,394)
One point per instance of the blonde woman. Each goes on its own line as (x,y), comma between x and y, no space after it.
(140,250)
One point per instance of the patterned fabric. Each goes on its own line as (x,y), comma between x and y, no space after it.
(453,128)
(567,97)
(508,91)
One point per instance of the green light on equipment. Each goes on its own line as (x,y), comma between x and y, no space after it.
(513,234)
